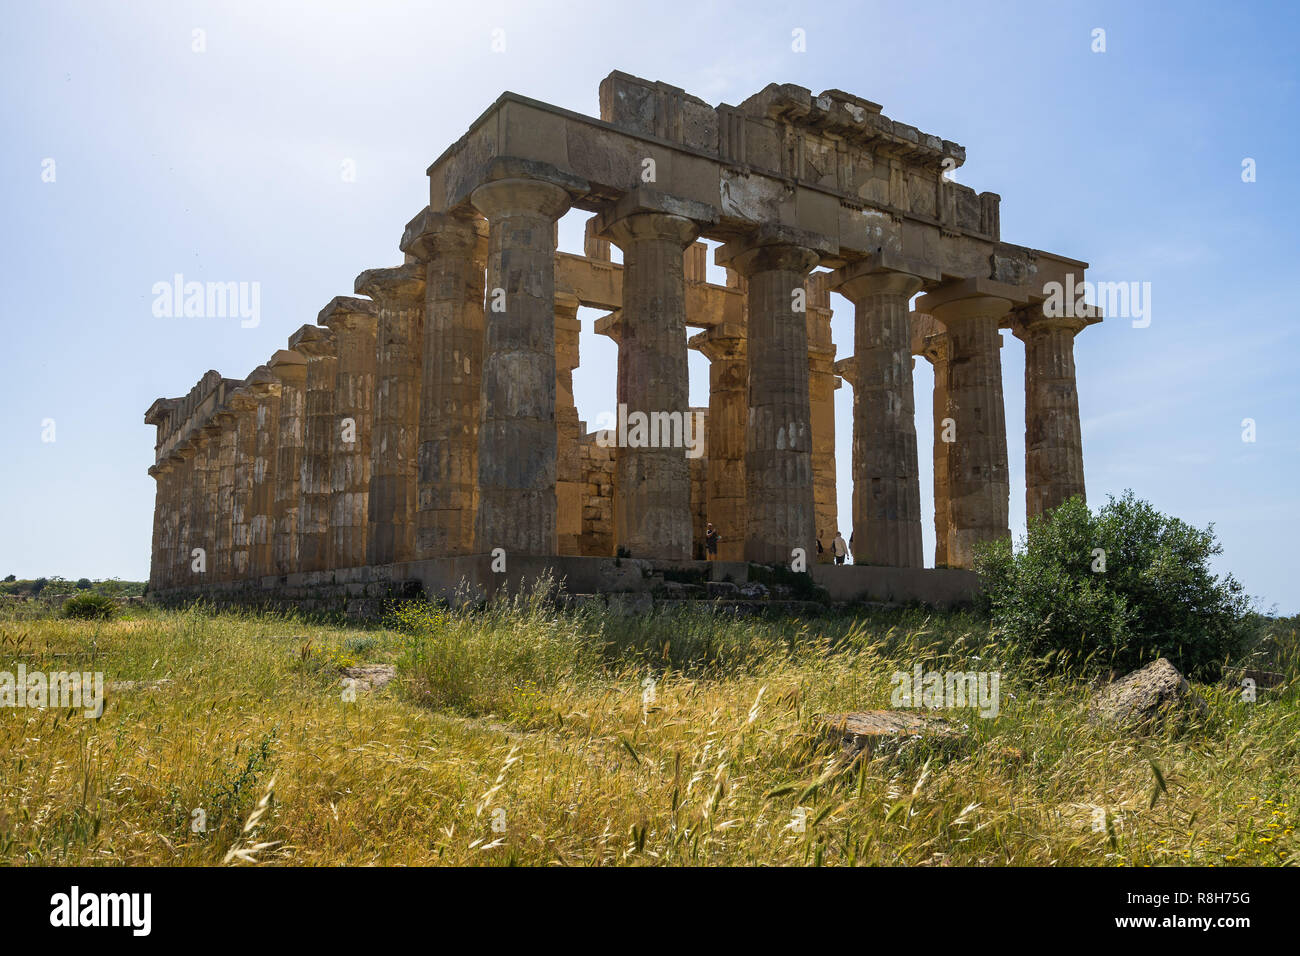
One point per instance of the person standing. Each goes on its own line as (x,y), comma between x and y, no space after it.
(839,548)
(711,539)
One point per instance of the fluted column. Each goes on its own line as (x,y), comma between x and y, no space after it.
(354,323)
(936,353)
(778,452)
(1053,439)
(185,452)
(198,507)
(724,347)
(517,437)
(611,326)
(569,483)
(886,472)
(168,545)
(394,440)
(653,478)
(208,487)
(320,433)
(290,370)
(265,386)
(979,483)
(822,383)
(164,472)
(159,475)
(455,251)
(220,564)
(243,403)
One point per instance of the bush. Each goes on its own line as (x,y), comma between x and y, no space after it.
(1155,597)
(90,607)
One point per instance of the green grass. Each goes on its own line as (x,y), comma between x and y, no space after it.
(536,718)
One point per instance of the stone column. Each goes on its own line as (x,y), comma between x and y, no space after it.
(1053,441)
(886,473)
(198,508)
(724,347)
(159,473)
(353,323)
(290,369)
(778,451)
(220,564)
(265,387)
(569,484)
(160,574)
(244,405)
(936,353)
(517,437)
(455,250)
(653,477)
(394,440)
(979,484)
(319,438)
(184,511)
(822,383)
(611,326)
(212,432)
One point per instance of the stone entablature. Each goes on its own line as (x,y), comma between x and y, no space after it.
(431,415)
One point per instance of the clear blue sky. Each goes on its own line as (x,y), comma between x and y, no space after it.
(225,165)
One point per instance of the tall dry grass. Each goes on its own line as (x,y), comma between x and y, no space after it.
(521,734)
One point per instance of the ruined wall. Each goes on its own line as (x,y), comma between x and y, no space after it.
(597,464)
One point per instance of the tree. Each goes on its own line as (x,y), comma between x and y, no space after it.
(83,584)
(1117,588)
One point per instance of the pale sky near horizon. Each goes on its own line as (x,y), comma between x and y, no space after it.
(227,165)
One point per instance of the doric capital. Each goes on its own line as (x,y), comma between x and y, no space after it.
(971,298)
(611,325)
(520,197)
(313,342)
(722,342)
(397,285)
(241,399)
(936,348)
(646,213)
(882,272)
(346,313)
(775,247)
(262,382)
(847,369)
(289,367)
(160,410)
(435,235)
(1031,320)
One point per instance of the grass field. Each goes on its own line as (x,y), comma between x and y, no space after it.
(523,735)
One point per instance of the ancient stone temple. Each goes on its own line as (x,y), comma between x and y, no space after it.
(423,432)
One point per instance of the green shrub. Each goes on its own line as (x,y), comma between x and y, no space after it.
(1155,597)
(90,607)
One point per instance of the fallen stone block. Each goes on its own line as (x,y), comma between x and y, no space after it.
(370,676)
(869,729)
(1144,694)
